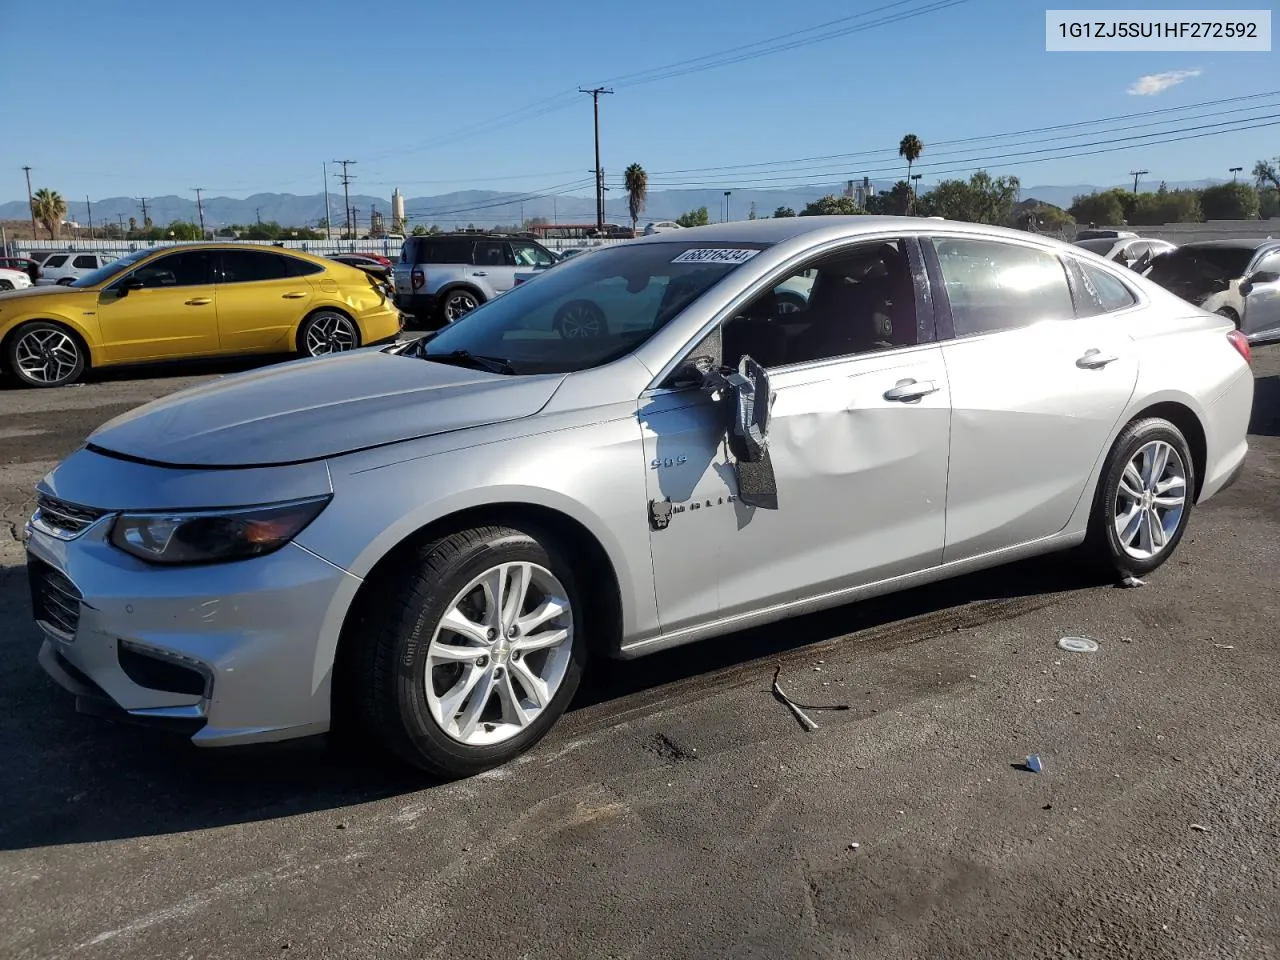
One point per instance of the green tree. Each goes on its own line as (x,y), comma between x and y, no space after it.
(183,230)
(751,214)
(1044,218)
(1106,207)
(1264,172)
(50,209)
(637,184)
(419,230)
(893,203)
(1164,206)
(783,212)
(910,149)
(1269,203)
(830,204)
(980,199)
(1229,201)
(694,218)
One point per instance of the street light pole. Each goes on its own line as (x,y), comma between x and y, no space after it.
(1233,171)
(726,205)
(31,203)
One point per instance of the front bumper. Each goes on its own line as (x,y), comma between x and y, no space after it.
(226,653)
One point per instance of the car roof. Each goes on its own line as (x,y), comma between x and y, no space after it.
(1246,243)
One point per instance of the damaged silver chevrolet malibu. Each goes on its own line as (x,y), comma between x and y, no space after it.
(426,543)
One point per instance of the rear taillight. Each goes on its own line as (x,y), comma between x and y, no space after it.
(1241,343)
(419,279)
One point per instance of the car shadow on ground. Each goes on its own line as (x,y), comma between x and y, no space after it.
(1265,421)
(72,779)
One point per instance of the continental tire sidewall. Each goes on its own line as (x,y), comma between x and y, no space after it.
(1132,439)
(443,754)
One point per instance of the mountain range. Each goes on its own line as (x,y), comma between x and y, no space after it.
(486,208)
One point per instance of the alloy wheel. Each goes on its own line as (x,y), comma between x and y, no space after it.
(46,356)
(330,333)
(458,305)
(580,320)
(499,654)
(1150,500)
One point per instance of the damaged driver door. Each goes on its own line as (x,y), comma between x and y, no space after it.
(848,485)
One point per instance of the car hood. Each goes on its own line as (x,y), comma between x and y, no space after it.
(311,409)
(54,290)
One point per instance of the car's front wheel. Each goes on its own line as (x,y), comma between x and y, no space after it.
(45,354)
(1144,498)
(469,653)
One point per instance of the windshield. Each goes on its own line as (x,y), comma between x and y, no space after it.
(1098,245)
(103,274)
(592,309)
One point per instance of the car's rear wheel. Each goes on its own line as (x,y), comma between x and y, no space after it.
(456,304)
(66,281)
(327,331)
(1144,498)
(580,318)
(469,653)
(6,285)
(45,354)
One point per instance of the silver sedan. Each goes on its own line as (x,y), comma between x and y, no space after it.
(425,544)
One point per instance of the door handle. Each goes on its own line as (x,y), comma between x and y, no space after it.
(1094,359)
(293,296)
(908,391)
(479,273)
(199,301)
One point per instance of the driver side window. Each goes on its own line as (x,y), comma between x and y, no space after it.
(855,301)
(176,270)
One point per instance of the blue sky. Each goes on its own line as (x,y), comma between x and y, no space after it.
(240,98)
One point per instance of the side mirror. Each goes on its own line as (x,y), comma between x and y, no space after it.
(748,429)
(1262,276)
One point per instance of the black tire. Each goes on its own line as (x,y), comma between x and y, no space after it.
(71,354)
(338,331)
(6,285)
(456,303)
(1103,547)
(395,631)
(580,319)
(66,281)
(1229,314)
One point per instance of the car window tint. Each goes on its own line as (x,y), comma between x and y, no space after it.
(492,253)
(1269,263)
(56,261)
(857,301)
(530,255)
(994,286)
(247,266)
(175,270)
(1101,292)
(441,251)
(85,263)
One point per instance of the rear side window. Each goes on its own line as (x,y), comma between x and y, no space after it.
(1101,292)
(246,266)
(437,251)
(994,286)
(492,253)
(57,260)
(84,262)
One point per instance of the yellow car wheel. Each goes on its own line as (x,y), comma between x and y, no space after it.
(45,354)
(327,331)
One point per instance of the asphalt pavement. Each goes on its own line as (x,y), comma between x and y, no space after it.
(679,810)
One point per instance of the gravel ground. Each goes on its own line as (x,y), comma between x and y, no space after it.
(679,811)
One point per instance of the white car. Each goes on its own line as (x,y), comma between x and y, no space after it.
(1127,250)
(13,280)
(65,269)
(661,226)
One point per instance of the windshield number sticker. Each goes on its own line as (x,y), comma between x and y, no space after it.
(715,255)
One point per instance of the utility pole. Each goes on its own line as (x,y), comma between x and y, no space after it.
(595,105)
(257,213)
(31,203)
(328,217)
(143,201)
(1233,171)
(1136,174)
(346,195)
(120,217)
(726,205)
(89,206)
(200,209)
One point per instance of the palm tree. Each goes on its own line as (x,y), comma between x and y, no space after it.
(50,209)
(910,149)
(637,183)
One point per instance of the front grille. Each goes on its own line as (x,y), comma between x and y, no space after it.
(54,598)
(63,519)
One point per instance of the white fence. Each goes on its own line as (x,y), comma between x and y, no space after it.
(323,248)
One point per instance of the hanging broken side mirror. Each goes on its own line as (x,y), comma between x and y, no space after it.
(748,429)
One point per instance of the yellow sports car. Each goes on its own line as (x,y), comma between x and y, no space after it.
(196,300)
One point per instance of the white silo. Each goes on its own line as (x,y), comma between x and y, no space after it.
(397,210)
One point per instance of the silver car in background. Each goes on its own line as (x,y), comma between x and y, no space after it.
(425,543)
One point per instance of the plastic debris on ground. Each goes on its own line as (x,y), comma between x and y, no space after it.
(795,708)
(1078,645)
(1199,828)
(1033,763)
(1131,582)
(1224,646)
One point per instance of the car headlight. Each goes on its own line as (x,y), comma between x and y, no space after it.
(212,536)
